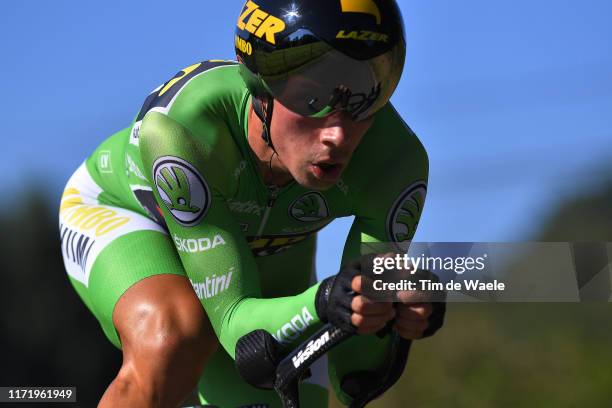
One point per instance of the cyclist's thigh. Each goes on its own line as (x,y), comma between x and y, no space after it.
(107,249)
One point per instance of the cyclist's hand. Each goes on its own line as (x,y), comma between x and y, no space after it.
(412,319)
(419,313)
(368,316)
(340,301)
(417,316)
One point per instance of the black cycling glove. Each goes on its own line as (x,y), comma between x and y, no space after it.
(334,297)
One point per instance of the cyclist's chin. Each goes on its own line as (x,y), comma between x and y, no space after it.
(313,181)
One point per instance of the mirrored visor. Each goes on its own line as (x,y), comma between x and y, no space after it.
(329,81)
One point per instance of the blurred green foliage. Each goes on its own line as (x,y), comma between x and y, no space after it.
(49,338)
(585,217)
(511,355)
(520,354)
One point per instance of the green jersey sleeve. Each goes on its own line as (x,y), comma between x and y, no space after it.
(389,202)
(387,207)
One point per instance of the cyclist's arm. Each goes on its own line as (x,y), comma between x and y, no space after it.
(388,204)
(210,243)
(387,209)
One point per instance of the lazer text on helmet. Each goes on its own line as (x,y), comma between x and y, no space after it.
(258,22)
(362,35)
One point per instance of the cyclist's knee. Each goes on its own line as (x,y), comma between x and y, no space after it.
(164,331)
(177,329)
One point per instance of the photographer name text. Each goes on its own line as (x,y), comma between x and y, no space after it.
(429,285)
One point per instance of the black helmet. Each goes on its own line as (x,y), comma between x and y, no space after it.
(316,56)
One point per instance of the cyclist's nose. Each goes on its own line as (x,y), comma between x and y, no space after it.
(334,136)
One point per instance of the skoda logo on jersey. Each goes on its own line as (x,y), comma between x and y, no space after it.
(182,189)
(309,208)
(403,218)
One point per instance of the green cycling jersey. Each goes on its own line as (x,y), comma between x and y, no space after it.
(185,162)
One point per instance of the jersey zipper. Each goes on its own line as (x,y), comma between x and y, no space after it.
(272,195)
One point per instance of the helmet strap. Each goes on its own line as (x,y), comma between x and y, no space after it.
(265,115)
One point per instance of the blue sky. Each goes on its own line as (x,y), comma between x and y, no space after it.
(512,99)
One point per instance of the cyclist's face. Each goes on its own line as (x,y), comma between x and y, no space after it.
(316,150)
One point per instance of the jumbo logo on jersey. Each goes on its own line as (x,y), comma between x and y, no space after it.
(310,207)
(88,227)
(403,218)
(260,23)
(97,220)
(182,189)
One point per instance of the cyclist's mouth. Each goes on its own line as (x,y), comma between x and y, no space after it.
(327,170)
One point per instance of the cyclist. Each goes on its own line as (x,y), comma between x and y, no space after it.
(198,222)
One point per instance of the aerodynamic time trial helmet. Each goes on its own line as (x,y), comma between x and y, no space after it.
(318,56)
